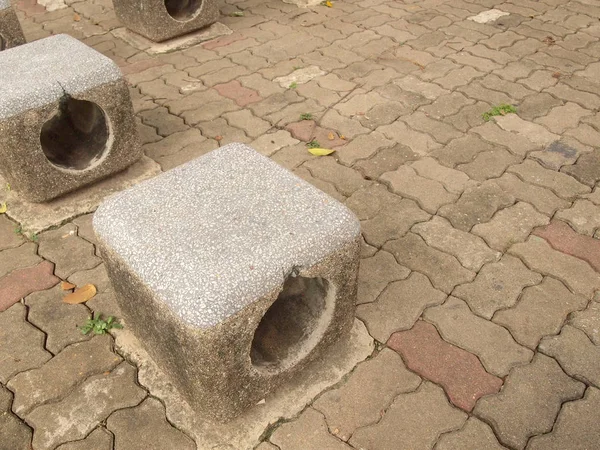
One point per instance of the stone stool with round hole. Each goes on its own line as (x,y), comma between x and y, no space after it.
(11,33)
(233,273)
(66,118)
(159,20)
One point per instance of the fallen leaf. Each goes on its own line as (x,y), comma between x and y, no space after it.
(321,151)
(81,295)
(331,136)
(218,138)
(66,286)
(342,137)
(76,17)
(328,4)
(3,208)
(556,75)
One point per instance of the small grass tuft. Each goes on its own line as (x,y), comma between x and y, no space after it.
(500,110)
(306,116)
(313,144)
(293,85)
(98,325)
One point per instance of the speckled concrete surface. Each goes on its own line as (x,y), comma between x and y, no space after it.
(252,224)
(42,72)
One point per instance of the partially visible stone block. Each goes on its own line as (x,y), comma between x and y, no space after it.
(11,33)
(66,118)
(159,20)
(249,274)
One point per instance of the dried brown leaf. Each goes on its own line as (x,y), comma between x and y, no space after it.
(81,295)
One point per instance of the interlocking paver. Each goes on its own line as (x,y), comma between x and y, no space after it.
(57,377)
(454,181)
(399,306)
(529,402)
(375,273)
(543,199)
(57,319)
(418,142)
(510,225)
(18,258)
(493,344)
(444,270)
(586,169)
(383,215)
(385,160)
(561,118)
(562,237)
(559,153)
(490,164)
(99,439)
(575,353)
(69,252)
(462,150)
(471,251)
(355,405)
(15,434)
(497,286)
(537,105)
(459,372)
(22,344)
(562,184)
(474,435)
(308,432)
(516,143)
(588,321)
(346,180)
(146,426)
(576,427)
(477,205)
(22,282)
(430,194)
(541,311)
(574,272)
(418,417)
(85,407)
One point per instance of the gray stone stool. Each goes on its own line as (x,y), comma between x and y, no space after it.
(233,272)
(11,33)
(66,118)
(159,20)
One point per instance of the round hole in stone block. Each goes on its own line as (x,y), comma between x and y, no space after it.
(75,137)
(183,10)
(293,324)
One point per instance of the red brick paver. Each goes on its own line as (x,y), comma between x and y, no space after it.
(459,372)
(563,238)
(20,283)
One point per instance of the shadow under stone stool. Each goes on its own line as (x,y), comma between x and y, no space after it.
(159,20)
(11,33)
(66,118)
(233,272)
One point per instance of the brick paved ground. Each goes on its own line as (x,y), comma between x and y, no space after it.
(480,276)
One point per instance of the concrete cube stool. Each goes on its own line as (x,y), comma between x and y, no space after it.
(66,118)
(11,33)
(233,272)
(159,20)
